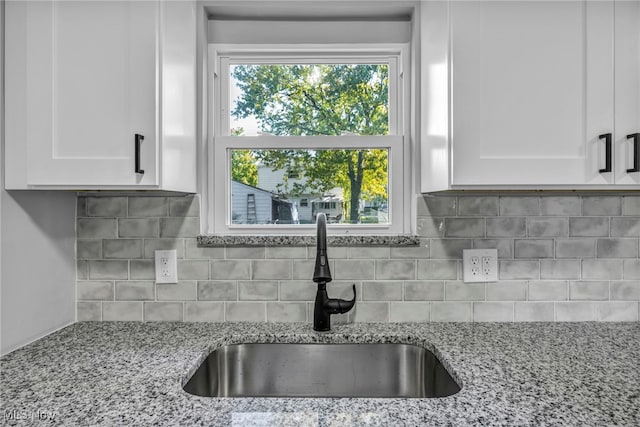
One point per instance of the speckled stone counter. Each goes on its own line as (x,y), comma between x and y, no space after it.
(562,374)
(307,240)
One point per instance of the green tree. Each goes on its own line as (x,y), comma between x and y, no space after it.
(332,99)
(244,167)
(243,164)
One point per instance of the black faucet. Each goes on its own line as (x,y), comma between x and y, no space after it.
(325,306)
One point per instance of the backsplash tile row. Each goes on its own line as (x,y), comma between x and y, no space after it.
(561,258)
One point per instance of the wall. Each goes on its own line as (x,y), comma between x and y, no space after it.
(562,258)
(37,268)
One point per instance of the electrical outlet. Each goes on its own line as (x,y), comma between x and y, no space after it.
(480,265)
(166,266)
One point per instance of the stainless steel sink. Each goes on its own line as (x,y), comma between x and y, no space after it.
(321,370)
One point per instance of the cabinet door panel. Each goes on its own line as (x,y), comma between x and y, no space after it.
(531,91)
(93,64)
(627,87)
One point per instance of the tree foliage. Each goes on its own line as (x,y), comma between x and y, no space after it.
(244,167)
(327,99)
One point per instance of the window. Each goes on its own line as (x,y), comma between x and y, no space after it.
(308,130)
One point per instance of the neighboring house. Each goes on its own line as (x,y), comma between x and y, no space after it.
(253,205)
(308,203)
(331,206)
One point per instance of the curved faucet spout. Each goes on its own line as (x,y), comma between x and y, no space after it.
(321,273)
(339,306)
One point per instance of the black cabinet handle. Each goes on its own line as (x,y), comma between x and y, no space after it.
(636,152)
(139,139)
(607,155)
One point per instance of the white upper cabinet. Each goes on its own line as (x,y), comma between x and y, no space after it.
(537,92)
(627,92)
(100,95)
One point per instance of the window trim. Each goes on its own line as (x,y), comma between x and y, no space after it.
(398,146)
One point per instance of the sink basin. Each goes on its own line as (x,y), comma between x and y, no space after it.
(321,370)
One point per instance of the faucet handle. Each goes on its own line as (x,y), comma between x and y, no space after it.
(339,306)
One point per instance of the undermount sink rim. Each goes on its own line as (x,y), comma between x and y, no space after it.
(319,338)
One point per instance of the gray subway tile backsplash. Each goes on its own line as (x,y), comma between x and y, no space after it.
(464,227)
(89,311)
(591,291)
(193,269)
(108,269)
(478,206)
(560,206)
(184,206)
(554,269)
(409,311)
(507,291)
(601,205)
(533,248)
(94,290)
(179,227)
(354,270)
(451,311)
(548,290)
(138,227)
(217,290)
(575,311)
(148,207)
(89,248)
(516,206)
(395,269)
(561,258)
(163,311)
(203,311)
(286,312)
(625,290)
(575,248)
(631,205)
(617,312)
(258,290)
(181,291)
(370,312)
(135,291)
(459,291)
(122,248)
(547,227)
(106,206)
(122,311)
(625,227)
(437,269)
(493,311)
(424,290)
(589,227)
(142,269)
(534,312)
(152,245)
(245,311)
(506,227)
(617,248)
(97,228)
(518,269)
(382,291)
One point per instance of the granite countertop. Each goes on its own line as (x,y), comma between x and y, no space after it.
(126,373)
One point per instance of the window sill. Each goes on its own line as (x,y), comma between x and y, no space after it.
(307,240)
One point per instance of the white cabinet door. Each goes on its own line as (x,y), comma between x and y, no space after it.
(532,90)
(90,86)
(627,89)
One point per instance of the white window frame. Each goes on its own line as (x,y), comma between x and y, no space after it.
(396,142)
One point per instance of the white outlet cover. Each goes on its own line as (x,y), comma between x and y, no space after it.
(166,266)
(480,265)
